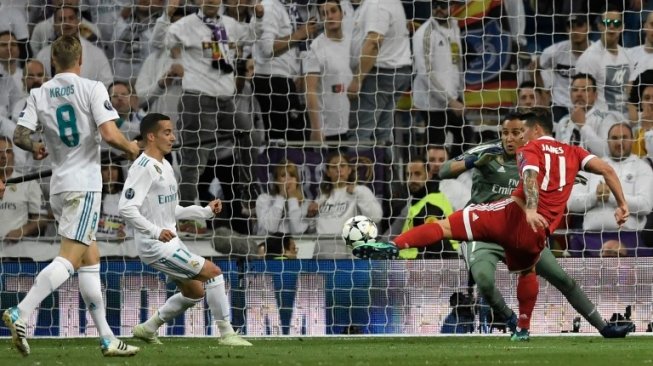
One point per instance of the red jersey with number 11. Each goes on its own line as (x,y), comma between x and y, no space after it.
(556,164)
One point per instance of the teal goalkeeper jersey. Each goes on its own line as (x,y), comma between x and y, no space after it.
(494,181)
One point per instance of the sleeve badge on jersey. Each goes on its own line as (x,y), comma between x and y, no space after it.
(107,105)
(158,170)
(129,193)
(22,113)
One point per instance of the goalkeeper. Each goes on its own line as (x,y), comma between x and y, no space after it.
(495,176)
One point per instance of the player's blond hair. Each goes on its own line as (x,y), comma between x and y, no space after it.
(66,52)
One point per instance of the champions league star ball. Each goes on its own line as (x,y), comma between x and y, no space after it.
(359,228)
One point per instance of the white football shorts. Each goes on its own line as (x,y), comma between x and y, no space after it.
(175,260)
(77,214)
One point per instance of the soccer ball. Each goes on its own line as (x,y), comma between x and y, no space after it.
(359,228)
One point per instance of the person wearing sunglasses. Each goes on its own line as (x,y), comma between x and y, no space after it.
(609,63)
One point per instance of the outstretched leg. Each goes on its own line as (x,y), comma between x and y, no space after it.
(549,268)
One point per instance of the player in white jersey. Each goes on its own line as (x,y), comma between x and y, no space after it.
(74,113)
(150,204)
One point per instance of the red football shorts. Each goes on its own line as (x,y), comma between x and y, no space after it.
(502,222)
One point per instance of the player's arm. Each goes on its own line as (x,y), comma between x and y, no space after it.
(114,137)
(452,168)
(105,115)
(134,191)
(473,158)
(532,193)
(313,105)
(598,166)
(26,126)
(194,212)
(369,52)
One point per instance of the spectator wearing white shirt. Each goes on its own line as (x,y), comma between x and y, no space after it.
(14,20)
(276,55)
(382,68)
(609,63)
(248,13)
(10,97)
(597,204)
(439,84)
(95,65)
(341,197)
(106,13)
(9,56)
(158,85)
(589,122)
(21,207)
(43,33)
(130,44)
(204,45)
(560,60)
(327,77)
(284,209)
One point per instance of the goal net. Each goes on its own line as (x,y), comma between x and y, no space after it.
(281,115)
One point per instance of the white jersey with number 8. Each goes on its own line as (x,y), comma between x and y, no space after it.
(70,109)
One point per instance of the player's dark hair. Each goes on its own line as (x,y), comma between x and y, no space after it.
(585,77)
(421,160)
(622,124)
(513,115)
(526,85)
(337,2)
(124,83)
(150,123)
(540,117)
(276,243)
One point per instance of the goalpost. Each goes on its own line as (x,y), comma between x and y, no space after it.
(326,291)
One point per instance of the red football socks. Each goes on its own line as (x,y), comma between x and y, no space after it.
(420,236)
(527,289)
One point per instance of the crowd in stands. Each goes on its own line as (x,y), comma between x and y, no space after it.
(291,111)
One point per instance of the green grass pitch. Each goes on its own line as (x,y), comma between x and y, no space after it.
(356,351)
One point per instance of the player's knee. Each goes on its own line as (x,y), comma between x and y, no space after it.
(211,270)
(192,290)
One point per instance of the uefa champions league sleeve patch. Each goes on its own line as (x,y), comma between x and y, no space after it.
(129,193)
(107,105)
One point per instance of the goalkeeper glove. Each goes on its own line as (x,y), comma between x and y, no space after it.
(483,158)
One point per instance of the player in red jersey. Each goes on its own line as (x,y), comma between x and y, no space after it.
(519,224)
